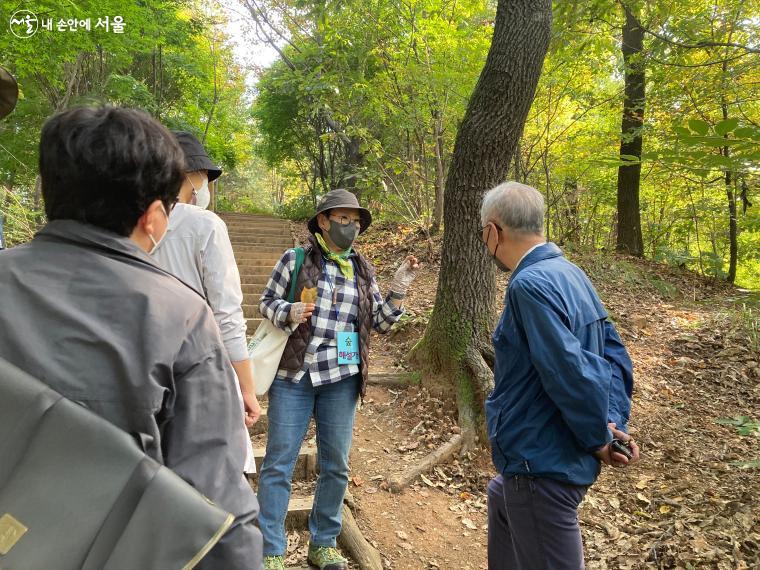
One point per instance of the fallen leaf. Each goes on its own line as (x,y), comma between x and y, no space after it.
(469,524)
(427,481)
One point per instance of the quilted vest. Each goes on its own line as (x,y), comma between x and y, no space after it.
(311,271)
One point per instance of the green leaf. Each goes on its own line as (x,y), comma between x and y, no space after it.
(726,126)
(744,132)
(682,131)
(698,126)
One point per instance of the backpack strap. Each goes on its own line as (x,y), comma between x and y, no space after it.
(300,255)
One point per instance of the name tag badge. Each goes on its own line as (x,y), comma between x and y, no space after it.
(348,348)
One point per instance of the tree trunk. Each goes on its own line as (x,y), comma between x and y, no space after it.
(352,162)
(732,230)
(733,255)
(440,172)
(457,342)
(629,238)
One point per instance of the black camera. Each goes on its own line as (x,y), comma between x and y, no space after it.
(621,447)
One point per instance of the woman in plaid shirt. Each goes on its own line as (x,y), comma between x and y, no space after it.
(323,370)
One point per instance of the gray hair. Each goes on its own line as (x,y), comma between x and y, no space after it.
(516,206)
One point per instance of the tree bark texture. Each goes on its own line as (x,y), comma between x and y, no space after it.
(629,237)
(457,340)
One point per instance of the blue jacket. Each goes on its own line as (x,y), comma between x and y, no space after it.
(561,374)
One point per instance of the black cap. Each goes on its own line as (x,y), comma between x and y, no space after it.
(196,157)
(340,199)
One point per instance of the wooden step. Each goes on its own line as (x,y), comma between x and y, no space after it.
(254,238)
(253,298)
(254,286)
(274,222)
(246,245)
(240,249)
(252,325)
(306,464)
(253,277)
(264,230)
(258,256)
(242,216)
(248,266)
(298,513)
(254,229)
(250,273)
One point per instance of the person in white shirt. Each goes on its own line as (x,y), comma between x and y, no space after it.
(198,251)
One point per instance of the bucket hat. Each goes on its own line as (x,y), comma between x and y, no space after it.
(196,157)
(340,199)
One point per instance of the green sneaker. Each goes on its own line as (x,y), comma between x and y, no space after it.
(274,563)
(326,558)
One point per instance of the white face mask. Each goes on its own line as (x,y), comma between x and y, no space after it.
(201,196)
(157,242)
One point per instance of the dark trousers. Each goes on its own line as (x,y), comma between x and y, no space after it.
(533,524)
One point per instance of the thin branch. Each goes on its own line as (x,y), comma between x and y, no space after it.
(702,44)
(255,14)
(691,65)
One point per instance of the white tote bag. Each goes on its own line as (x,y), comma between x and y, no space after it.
(265,349)
(268,342)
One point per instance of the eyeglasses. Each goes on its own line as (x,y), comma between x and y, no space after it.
(480,232)
(345,220)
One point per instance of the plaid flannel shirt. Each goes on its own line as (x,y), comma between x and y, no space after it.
(321,360)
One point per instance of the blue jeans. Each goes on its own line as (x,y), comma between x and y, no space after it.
(291,406)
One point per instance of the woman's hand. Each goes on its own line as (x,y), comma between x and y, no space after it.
(404,276)
(300,312)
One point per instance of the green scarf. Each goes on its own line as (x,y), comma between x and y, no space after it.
(344,263)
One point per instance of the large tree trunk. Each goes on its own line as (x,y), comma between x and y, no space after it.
(456,342)
(629,238)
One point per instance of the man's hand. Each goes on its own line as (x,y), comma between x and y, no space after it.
(252,409)
(613,458)
(300,312)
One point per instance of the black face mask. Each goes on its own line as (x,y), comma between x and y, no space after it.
(496,260)
(342,236)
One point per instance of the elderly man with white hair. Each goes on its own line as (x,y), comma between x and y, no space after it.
(563,383)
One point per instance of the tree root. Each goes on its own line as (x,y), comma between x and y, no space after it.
(400,482)
(389,379)
(353,542)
